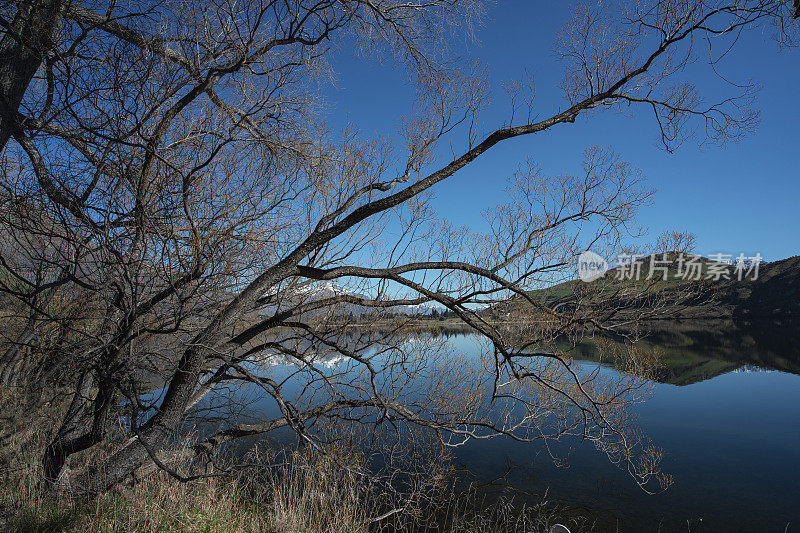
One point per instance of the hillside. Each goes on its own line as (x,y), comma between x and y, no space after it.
(774,293)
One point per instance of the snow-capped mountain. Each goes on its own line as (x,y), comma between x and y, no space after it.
(330,289)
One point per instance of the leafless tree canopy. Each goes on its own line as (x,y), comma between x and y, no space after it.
(174,210)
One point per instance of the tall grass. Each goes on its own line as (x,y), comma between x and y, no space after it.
(326,491)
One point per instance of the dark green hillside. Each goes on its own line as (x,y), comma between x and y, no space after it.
(774,293)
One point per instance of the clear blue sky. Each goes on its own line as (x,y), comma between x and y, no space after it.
(736,198)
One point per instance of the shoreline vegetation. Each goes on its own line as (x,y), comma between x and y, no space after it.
(773,295)
(270,489)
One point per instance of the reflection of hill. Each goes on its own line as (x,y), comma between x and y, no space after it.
(696,350)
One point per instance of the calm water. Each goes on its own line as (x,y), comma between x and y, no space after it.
(732,443)
(726,411)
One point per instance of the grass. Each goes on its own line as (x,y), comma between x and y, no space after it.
(295,492)
(317,493)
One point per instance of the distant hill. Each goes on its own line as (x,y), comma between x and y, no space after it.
(774,293)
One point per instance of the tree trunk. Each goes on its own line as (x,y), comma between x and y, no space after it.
(22,49)
(155,435)
(12,362)
(11,366)
(73,435)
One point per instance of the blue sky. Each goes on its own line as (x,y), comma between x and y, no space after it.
(736,198)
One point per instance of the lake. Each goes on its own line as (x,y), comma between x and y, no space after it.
(732,443)
(725,410)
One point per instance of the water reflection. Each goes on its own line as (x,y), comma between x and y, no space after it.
(726,410)
(691,351)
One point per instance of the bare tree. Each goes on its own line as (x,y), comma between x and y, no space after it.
(675,241)
(173,207)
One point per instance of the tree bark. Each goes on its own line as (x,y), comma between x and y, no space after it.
(22,50)
(12,362)
(73,435)
(11,365)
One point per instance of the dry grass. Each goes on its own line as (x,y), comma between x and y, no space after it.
(311,492)
(26,427)
(160,503)
(298,492)
(301,492)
